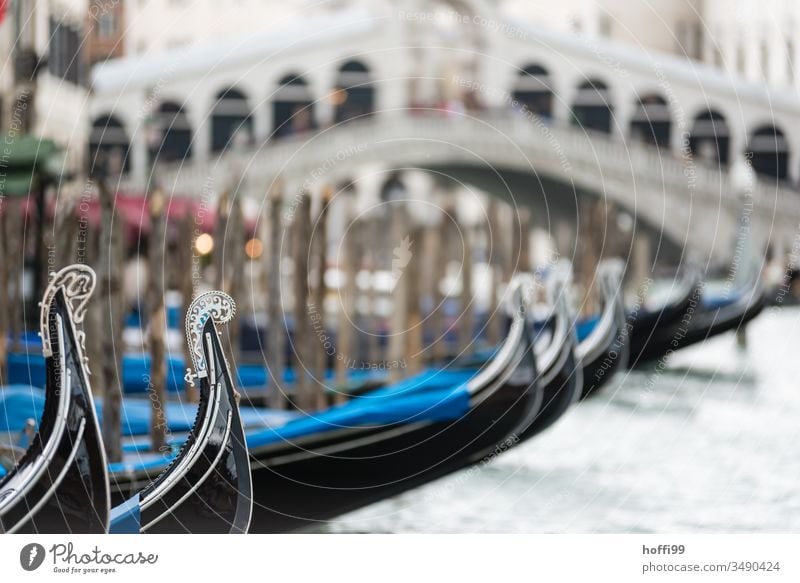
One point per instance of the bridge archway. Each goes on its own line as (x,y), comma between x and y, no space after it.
(768,150)
(534,92)
(555,204)
(354,95)
(651,122)
(175,134)
(231,122)
(292,107)
(592,109)
(709,140)
(109,146)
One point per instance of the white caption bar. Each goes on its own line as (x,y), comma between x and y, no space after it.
(401,558)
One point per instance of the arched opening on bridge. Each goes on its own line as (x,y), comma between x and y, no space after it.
(231,123)
(533,91)
(592,107)
(354,95)
(174,138)
(769,152)
(709,141)
(393,189)
(109,147)
(292,107)
(651,121)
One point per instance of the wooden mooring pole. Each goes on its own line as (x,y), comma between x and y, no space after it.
(467,318)
(441,258)
(189,266)
(345,337)
(320,251)
(303,342)
(276,326)
(412,361)
(497,259)
(157,324)
(3,294)
(110,294)
(402,254)
(15,262)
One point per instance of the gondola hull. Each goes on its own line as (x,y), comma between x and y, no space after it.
(60,485)
(562,390)
(598,372)
(304,489)
(697,323)
(300,483)
(207,487)
(646,328)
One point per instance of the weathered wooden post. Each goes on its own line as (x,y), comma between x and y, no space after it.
(303,341)
(642,263)
(111,292)
(372,235)
(496,257)
(524,215)
(403,253)
(320,250)
(438,238)
(276,328)
(186,283)
(592,220)
(412,360)
(66,233)
(157,322)
(345,333)
(467,319)
(95,314)
(16,259)
(220,230)
(234,282)
(4,306)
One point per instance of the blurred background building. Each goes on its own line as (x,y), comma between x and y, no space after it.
(45,75)
(105,30)
(187,86)
(659,82)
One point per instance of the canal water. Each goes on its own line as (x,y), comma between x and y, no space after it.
(709,444)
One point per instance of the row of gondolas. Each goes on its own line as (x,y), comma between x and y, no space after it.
(232,469)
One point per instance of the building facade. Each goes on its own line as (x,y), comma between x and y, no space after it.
(44,75)
(105,30)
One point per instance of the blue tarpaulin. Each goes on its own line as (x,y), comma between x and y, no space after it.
(430,396)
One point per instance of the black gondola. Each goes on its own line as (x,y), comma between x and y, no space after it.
(384,443)
(705,316)
(561,376)
(605,351)
(60,484)
(646,326)
(302,482)
(207,488)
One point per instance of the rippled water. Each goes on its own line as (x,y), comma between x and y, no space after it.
(712,444)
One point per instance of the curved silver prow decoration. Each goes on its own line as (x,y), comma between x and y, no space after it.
(216,305)
(520,293)
(78,282)
(611,273)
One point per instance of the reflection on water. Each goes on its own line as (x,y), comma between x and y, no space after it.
(708,445)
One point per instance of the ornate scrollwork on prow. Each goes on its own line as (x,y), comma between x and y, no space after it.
(216,305)
(78,283)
